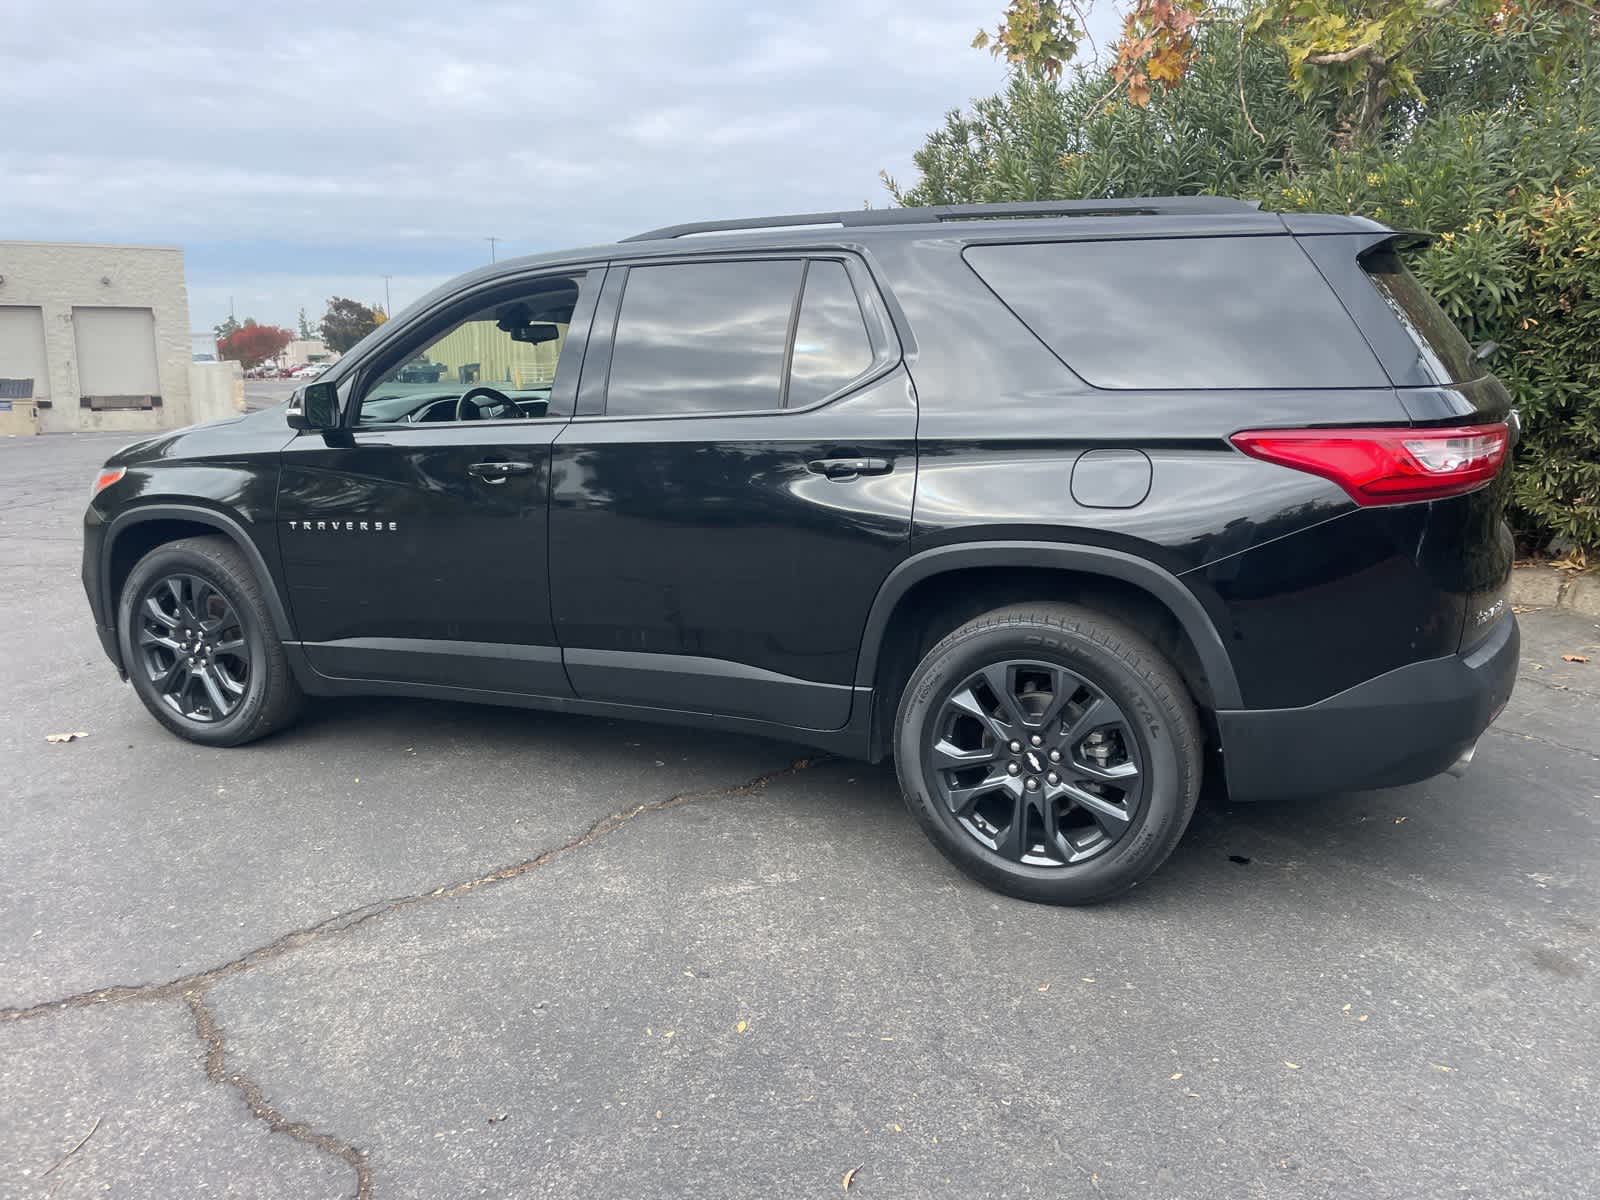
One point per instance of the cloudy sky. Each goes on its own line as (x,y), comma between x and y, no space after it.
(298,150)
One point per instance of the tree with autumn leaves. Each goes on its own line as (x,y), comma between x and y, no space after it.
(251,344)
(1476,120)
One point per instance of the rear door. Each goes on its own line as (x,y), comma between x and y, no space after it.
(734,489)
(414,539)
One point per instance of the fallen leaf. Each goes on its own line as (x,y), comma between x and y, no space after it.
(1441,1067)
(741,1026)
(1577,658)
(1363,1016)
(497,1118)
(849,1178)
(1346,1008)
(1044,987)
(1088,979)
(1401,820)
(64,737)
(1176,1075)
(1290,1065)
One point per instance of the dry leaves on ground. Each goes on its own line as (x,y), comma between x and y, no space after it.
(56,738)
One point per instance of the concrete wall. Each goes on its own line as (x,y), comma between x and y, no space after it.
(216,390)
(58,277)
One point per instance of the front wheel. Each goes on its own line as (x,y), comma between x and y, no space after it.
(199,645)
(1050,752)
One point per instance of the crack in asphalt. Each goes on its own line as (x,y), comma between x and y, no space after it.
(191,989)
(355,917)
(206,1028)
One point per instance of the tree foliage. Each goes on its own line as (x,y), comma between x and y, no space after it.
(250,344)
(1491,140)
(346,322)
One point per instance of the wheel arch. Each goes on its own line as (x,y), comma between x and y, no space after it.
(939,589)
(137,531)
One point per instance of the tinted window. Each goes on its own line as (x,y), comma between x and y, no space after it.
(1442,352)
(830,340)
(1247,312)
(702,337)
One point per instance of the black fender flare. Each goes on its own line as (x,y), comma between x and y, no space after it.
(1164,586)
(222,523)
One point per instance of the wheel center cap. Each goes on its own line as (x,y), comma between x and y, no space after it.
(1035,762)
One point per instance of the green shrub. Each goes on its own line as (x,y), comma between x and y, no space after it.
(1502,162)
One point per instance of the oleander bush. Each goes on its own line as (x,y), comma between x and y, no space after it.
(1496,151)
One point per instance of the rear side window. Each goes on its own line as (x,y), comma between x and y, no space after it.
(1442,352)
(831,346)
(702,337)
(1246,312)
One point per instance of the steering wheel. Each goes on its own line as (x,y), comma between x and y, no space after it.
(499,405)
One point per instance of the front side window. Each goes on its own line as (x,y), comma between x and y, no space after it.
(497,362)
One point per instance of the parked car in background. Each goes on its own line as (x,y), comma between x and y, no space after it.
(1061,505)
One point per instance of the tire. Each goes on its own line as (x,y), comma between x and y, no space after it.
(1107,811)
(252,691)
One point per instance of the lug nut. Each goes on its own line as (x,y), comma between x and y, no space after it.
(1052,779)
(1032,785)
(1013,769)
(1015,747)
(1036,740)
(1055,756)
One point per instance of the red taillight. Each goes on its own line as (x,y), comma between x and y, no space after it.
(1387,465)
(106,478)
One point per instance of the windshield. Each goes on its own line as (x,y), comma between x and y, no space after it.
(1441,350)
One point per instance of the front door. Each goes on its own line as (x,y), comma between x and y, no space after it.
(414,538)
(736,486)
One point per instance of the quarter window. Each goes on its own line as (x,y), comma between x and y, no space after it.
(702,337)
(1220,312)
(830,340)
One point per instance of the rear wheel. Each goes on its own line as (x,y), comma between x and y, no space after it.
(1050,752)
(199,645)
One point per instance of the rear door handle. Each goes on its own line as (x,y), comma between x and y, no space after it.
(498,472)
(848,468)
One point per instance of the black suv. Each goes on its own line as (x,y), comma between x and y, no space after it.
(1059,504)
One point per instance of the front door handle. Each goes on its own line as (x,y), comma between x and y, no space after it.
(848,468)
(498,472)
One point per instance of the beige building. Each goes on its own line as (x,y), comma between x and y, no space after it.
(97,338)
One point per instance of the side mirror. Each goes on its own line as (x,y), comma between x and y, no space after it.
(318,407)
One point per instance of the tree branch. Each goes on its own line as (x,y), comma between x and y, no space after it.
(1335,57)
(1244,105)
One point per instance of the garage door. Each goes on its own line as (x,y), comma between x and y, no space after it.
(22,369)
(116,357)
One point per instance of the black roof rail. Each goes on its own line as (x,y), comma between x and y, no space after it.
(1144,206)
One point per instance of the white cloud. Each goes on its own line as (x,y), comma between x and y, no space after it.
(339,142)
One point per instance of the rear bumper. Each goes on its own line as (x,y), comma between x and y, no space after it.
(1405,725)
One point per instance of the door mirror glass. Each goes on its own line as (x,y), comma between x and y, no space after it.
(318,408)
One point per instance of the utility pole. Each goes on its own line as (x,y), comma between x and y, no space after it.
(492,242)
(388,310)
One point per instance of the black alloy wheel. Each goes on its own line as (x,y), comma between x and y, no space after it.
(192,647)
(200,645)
(1050,751)
(1036,763)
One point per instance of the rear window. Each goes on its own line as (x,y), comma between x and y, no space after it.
(1441,350)
(1183,312)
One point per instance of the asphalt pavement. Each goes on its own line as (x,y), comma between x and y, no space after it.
(414,949)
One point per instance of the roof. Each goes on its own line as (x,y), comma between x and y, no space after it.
(1141,216)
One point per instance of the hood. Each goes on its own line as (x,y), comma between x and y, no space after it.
(266,430)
